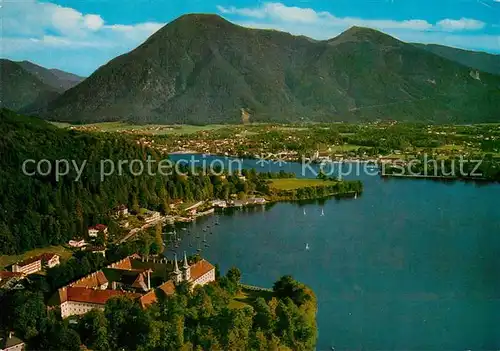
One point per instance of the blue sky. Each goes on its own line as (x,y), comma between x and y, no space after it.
(80,35)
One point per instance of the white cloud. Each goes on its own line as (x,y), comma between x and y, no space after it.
(279,14)
(93,22)
(257,13)
(461,24)
(324,25)
(40,24)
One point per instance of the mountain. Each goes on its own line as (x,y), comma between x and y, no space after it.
(55,78)
(204,69)
(26,86)
(478,60)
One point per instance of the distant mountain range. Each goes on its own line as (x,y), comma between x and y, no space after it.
(26,86)
(203,69)
(479,60)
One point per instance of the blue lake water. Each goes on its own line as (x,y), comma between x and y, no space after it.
(410,264)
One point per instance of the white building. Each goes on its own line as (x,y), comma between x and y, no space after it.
(152,216)
(94,231)
(11,343)
(121,211)
(50,260)
(28,266)
(199,273)
(80,300)
(219,203)
(77,243)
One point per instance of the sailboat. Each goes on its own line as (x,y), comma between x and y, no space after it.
(322,212)
(307,246)
(355,196)
(304,211)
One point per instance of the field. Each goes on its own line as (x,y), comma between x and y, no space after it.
(294,183)
(344,148)
(150,129)
(247,297)
(59,250)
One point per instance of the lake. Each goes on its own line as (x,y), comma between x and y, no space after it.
(410,264)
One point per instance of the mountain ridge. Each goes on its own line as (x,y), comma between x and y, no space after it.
(26,86)
(202,69)
(479,60)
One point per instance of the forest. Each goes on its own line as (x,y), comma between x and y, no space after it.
(41,210)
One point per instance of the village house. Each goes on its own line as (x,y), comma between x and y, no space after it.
(237,203)
(35,264)
(9,279)
(77,243)
(151,216)
(257,201)
(175,203)
(94,231)
(50,260)
(218,203)
(121,211)
(11,343)
(28,266)
(97,250)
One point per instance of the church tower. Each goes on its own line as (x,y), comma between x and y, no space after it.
(177,274)
(186,269)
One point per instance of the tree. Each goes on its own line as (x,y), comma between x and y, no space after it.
(29,316)
(263,318)
(93,330)
(234,275)
(101,239)
(119,312)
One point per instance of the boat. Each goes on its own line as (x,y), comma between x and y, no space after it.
(307,246)
(184,229)
(355,196)
(304,211)
(322,212)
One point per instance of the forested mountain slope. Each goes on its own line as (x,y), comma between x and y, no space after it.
(203,69)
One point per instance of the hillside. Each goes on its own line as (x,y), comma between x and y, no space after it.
(26,86)
(203,69)
(55,78)
(478,60)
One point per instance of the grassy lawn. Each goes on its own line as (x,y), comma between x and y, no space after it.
(344,148)
(451,147)
(247,297)
(294,183)
(154,129)
(59,250)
